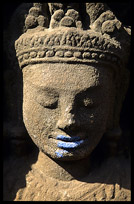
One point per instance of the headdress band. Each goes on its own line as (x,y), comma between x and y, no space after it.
(66,41)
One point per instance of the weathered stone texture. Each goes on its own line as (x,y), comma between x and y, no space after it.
(74,83)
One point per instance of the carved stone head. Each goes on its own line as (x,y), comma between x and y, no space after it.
(74,78)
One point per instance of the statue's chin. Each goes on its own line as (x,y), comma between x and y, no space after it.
(65,155)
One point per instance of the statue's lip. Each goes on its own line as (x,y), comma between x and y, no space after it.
(68,138)
(67,142)
(69,145)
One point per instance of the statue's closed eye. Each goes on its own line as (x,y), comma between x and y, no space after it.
(47,99)
(85,100)
(46,102)
(53,105)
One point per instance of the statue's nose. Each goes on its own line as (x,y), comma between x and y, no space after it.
(67,119)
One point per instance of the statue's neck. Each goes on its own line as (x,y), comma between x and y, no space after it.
(62,170)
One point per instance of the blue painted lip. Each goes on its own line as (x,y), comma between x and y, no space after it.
(68,139)
(69,145)
(59,153)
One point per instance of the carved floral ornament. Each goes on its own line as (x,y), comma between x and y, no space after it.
(63,38)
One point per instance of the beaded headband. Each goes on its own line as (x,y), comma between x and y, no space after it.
(65,40)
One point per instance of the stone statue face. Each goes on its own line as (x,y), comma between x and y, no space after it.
(66,107)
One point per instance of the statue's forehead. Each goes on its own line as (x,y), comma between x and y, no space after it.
(65,76)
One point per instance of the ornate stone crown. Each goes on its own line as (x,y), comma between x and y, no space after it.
(64,38)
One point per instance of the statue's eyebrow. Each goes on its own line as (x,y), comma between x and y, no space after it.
(85,90)
(90,92)
(90,89)
(48,90)
(40,88)
(55,91)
